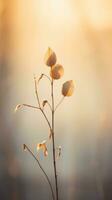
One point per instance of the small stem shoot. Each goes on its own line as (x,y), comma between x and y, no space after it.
(59,103)
(49,105)
(30,106)
(47,77)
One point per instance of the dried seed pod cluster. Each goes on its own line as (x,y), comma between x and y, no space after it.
(57,71)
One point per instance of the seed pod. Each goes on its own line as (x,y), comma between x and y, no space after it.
(57,71)
(68,88)
(50,58)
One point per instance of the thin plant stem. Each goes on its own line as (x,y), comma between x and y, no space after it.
(38,100)
(41,76)
(30,106)
(47,120)
(53,141)
(36,92)
(51,129)
(47,178)
(49,105)
(47,77)
(59,103)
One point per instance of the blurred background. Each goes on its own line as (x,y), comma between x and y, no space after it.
(80,32)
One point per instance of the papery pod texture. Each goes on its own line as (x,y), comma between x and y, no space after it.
(68,88)
(57,71)
(50,58)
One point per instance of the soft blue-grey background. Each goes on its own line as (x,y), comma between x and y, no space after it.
(80,32)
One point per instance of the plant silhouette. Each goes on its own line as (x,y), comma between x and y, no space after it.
(56,72)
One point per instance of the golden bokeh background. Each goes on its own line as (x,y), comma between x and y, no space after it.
(80,32)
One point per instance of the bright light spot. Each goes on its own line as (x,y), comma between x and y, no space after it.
(60,8)
(56,10)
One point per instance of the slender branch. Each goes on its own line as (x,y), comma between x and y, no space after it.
(59,103)
(26,147)
(38,100)
(53,142)
(30,106)
(41,76)
(47,77)
(46,118)
(49,105)
(36,91)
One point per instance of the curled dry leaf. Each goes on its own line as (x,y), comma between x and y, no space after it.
(68,88)
(37,80)
(44,103)
(24,147)
(17,107)
(42,146)
(57,71)
(41,76)
(50,134)
(50,57)
(58,151)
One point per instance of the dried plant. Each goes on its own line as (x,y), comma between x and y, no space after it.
(56,72)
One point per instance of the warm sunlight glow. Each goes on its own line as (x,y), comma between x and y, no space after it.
(57,10)
(61,8)
(80,33)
